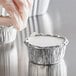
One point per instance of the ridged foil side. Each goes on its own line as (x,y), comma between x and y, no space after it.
(47,56)
(7,35)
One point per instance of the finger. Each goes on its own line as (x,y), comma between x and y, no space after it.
(10,8)
(15,16)
(23,11)
(20,4)
(2,2)
(15,20)
(18,22)
(5,21)
(29,3)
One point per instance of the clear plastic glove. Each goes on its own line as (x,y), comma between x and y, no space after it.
(18,11)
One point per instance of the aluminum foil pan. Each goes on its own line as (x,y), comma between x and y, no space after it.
(46,54)
(7,33)
(39,7)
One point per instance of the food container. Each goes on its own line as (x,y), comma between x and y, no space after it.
(7,33)
(39,7)
(46,49)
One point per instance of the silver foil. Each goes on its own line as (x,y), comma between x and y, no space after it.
(46,55)
(7,35)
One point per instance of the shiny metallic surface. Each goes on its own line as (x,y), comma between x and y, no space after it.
(46,55)
(59,69)
(7,35)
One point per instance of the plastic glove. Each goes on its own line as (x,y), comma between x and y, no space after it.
(18,11)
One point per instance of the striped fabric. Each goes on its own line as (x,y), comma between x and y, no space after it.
(39,7)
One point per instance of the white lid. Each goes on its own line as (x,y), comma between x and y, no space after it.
(44,41)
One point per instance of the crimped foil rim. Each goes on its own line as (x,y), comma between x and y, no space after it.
(47,47)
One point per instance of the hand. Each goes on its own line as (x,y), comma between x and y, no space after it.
(18,11)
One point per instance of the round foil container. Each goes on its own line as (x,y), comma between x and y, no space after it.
(7,34)
(46,55)
(38,7)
